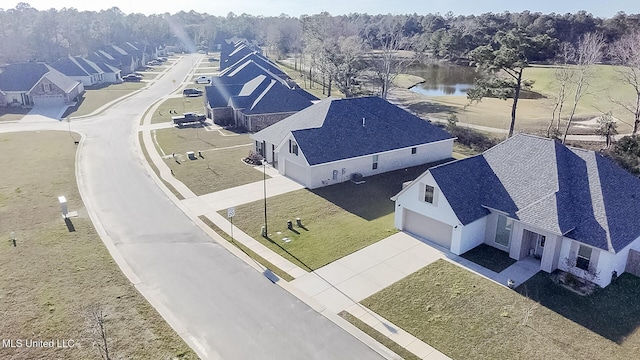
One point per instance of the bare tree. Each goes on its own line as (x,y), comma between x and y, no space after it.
(626,52)
(563,75)
(588,53)
(387,63)
(97,323)
(607,128)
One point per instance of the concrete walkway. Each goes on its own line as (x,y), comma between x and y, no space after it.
(342,284)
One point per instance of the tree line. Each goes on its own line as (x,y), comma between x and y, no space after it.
(45,35)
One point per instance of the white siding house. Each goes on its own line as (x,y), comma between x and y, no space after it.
(530,197)
(332,140)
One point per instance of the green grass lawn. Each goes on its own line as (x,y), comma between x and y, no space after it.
(94,98)
(532,114)
(468,317)
(13,114)
(182,104)
(207,70)
(219,170)
(312,88)
(53,275)
(489,257)
(180,140)
(338,219)
(276,270)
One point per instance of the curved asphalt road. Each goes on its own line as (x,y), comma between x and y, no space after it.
(221,306)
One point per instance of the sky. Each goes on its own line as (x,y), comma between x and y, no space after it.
(599,8)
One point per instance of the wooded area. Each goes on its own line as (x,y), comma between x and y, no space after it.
(46,35)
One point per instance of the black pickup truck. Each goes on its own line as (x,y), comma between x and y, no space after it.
(189,118)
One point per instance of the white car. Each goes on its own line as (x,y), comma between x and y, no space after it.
(203,80)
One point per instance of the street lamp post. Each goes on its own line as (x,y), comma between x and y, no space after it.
(264,185)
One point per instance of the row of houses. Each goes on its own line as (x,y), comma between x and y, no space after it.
(531,197)
(63,81)
(251,92)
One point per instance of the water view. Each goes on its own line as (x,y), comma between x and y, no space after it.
(443,80)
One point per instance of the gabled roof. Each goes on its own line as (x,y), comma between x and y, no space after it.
(236,54)
(347,128)
(218,95)
(258,59)
(276,98)
(311,117)
(107,68)
(88,65)
(572,192)
(71,67)
(24,76)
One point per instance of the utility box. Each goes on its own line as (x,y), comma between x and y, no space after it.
(191,155)
(63,205)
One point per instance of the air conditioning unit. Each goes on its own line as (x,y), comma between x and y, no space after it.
(356,178)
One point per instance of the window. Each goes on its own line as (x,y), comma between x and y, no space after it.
(584,257)
(503,230)
(414,150)
(375,162)
(429,192)
(46,87)
(293,147)
(543,239)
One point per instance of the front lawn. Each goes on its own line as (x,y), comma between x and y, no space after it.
(468,317)
(181,105)
(179,140)
(13,114)
(489,257)
(219,170)
(58,270)
(95,97)
(338,219)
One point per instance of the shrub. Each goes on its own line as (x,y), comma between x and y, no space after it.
(473,139)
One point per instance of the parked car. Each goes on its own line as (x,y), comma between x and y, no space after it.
(189,118)
(203,80)
(192,92)
(154,63)
(132,78)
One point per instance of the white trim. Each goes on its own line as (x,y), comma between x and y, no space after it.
(383,152)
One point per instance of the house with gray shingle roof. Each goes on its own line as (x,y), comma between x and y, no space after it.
(572,209)
(29,84)
(253,97)
(332,140)
(79,69)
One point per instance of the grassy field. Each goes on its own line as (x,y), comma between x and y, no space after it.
(222,166)
(468,317)
(338,219)
(181,105)
(12,114)
(533,114)
(281,274)
(54,275)
(94,98)
(155,168)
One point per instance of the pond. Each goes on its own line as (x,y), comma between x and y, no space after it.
(443,79)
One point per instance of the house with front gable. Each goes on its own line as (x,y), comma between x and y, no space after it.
(572,209)
(252,97)
(80,69)
(31,83)
(334,139)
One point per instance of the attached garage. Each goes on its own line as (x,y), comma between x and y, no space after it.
(427,228)
(295,172)
(55,100)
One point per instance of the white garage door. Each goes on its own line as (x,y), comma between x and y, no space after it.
(427,228)
(48,100)
(295,172)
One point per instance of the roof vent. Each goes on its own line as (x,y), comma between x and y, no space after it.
(362,122)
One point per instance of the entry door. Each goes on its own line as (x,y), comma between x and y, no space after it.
(533,243)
